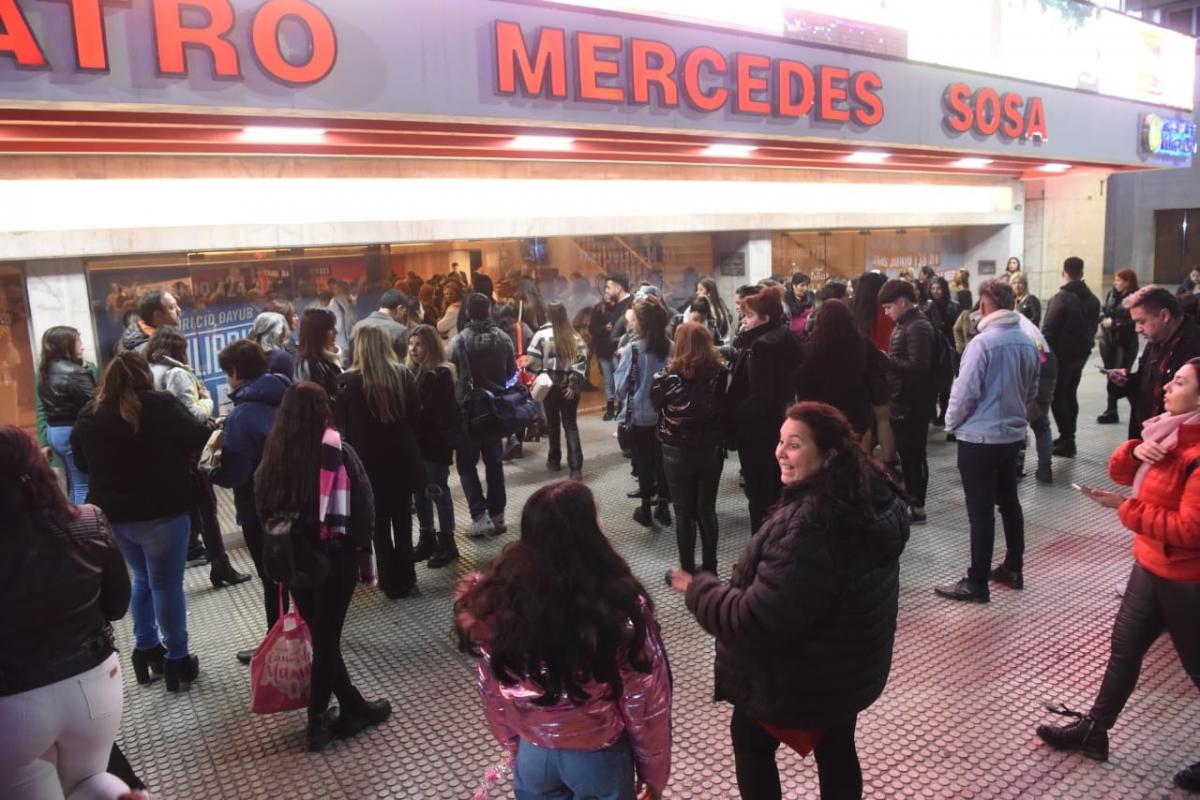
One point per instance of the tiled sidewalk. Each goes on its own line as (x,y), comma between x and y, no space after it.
(957,719)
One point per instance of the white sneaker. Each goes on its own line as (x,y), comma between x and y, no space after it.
(499,526)
(480,528)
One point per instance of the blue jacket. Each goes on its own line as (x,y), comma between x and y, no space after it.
(246,429)
(996,381)
(644,413)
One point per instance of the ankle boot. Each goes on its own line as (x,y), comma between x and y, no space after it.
(181,672)
(359,715)
(426,546)
(608,411)
(222,573)
(447,550)
(641,515)
(1084,735)
(319,732)
(148,661)
(663,512)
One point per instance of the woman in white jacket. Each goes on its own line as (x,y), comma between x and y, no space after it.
(167,353)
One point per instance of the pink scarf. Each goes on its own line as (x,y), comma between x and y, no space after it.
(333,503)
(1163,429)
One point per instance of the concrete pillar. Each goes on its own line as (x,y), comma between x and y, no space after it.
(58,295)
(1065,216)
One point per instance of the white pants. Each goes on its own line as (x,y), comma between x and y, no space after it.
(55,741)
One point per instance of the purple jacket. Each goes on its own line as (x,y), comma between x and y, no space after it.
(643,711)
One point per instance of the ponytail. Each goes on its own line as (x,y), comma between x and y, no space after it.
(124,377)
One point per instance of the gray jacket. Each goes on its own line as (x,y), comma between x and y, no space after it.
(997,380)
(381,319)
(179,379)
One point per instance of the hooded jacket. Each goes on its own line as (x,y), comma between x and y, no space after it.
(178,379)
(806,625)
(1071,319)
(136,336)
(997,380)
(254,406)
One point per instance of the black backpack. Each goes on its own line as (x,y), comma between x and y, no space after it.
(942,361)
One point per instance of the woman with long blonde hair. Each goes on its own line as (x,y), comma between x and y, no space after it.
(559,352)
(437,426)
(376,411)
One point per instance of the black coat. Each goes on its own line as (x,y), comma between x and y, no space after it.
(805,626)
(1031,307)
(137,477)
(853,385)
(1122,331)
(691,413)
(910,360)
(65,391)
(438,422)
(1071,319)
(763,385)
(1157,366)
(606,326)
(388,450)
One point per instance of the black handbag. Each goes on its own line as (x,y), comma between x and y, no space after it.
(289,556)
(625,426)
(493,415)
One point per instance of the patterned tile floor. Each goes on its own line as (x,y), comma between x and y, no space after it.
(956,721)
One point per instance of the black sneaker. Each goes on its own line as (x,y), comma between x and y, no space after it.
(1013,579)
(641,515)
(196,556)
(1064,448)
(1044,475)
(663,514)
(1110,417)
(963,590)
(1189,779)
(1081,736)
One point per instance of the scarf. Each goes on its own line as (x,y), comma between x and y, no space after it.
(333,486)
(1163,429)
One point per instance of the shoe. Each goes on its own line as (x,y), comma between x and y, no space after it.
(514,451)
(636,494)
(1109,417)
(554,464)
(950,437)
(663,513)
(917,516)
(223,574)
(608,412)
(447,551)
(481,528)
(1120,588)
(940,421)
(148,664)
(1013,579)
(401,592)
(1044,475)
(1064,448)
(426,546)
(1188,779)
(499,526)
(353,720)
(196,556)
(319,733)
(963,590)
(1081,736)
(244,656)
(181,672)
(576,475)
(641,515)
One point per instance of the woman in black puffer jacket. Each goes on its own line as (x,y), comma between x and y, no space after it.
(806,625)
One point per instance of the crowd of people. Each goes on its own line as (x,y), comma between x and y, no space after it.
(342,429)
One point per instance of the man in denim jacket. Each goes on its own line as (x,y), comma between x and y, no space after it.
(997,379)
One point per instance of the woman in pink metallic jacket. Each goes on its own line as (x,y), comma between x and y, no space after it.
(572,669)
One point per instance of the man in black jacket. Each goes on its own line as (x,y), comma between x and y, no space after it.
(155,309)
(606,319)
(911,374)
(1172,339)
(1070,328)
(484,355)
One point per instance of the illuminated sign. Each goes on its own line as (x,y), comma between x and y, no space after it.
(1175,138)
(987,112)
(607,68)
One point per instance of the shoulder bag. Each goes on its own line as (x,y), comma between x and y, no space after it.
(492,415)
(625,426)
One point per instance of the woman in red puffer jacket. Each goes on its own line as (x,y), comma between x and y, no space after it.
(1163,594)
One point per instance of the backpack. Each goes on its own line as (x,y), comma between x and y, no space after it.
(942,362)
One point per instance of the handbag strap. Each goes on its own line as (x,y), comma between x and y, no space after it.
(520,327)
(631,385)
(467,376)
(281,601)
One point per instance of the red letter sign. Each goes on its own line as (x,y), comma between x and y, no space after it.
(748,83)
(171,36)
(786,73)
(1035,125)
(643,74)
(865,86)
(831,94)
(591,67)
(550,61)
(17,39)
(959,116)
(691,79)
(266,41)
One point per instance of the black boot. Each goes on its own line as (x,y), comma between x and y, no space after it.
(146,662)
(222,573)
(426,546)
(608,411)
(1189,779)
(663,513)
(1083,735)
(181,672)
(1109,417)
(447,550)
(319,732)
(355,717)
(641,515)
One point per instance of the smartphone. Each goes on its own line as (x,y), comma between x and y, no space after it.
(1104,370)
(1079,488)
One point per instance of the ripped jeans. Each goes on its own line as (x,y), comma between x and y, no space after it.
(437,493)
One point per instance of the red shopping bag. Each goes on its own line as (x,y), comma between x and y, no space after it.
(281,667)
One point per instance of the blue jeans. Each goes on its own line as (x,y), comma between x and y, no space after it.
(608,368)
(565,774)
(59,438)
(468,456)
(156,554)
(436,495)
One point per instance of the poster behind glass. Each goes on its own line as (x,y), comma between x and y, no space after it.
(219,302)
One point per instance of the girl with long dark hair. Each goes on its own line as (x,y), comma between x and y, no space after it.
(66,385)
(637,363)
(868,313)
(137,444)
(572,669)
(690,397)
(309,475)
(376,410)
(318,359)
(806,625)
(706,289)
(62,581)
(438,423)
(559,352)
(942,311)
